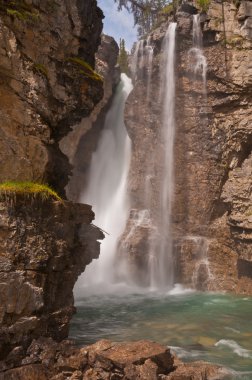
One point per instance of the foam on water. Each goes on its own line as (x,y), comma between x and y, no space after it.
(235,347)
(179,289)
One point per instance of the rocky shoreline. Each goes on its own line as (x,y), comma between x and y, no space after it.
(46,359)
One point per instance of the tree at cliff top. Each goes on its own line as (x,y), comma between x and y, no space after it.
(145,12)
(123,57)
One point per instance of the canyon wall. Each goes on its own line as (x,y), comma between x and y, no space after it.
(45,246)
(211,217)
(47,83)
(82,141)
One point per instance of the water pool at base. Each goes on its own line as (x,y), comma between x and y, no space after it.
(198,326)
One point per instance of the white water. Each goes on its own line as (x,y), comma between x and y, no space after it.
(161,260)
(198,58)
(149,58)
(137,60)
(202,265)
(235,348)
(107,189)
(199,63)
(142,58)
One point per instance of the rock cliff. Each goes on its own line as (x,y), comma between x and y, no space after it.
(211,217)
(47,83)
(82,141)
(45,246)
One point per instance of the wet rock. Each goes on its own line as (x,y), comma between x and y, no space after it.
(198,371)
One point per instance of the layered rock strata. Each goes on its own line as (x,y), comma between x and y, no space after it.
(211,224)
(47,83)
(45,246)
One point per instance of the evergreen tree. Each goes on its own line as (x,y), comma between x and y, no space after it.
(145,12)
(123,57)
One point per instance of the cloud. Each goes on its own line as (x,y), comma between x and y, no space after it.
(118,24)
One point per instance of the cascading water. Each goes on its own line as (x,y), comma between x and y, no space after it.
(137,60)
(199,66)
(198,58)
(107,187)
(161,260)
(149,57)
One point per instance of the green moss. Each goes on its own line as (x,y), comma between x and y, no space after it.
(168,9)
(15,13)
(237,3)
(203,4)
(29,189)
(20,10)
(23,15)
(40,68)
(234,41)
(249,212)
(87,70)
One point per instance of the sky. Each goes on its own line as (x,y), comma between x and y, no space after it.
(118,24)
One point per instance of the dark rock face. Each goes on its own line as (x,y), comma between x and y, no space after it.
(143,360)
(82,141)
(50,92)
(211,211)
(45,246)
(47,84)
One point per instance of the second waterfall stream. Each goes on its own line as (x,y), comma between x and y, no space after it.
(107,187)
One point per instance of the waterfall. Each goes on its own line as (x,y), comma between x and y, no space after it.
(142,57)
(137,60)
(149,58)
(198,58)
(202,273)
(106,190)
(160,255)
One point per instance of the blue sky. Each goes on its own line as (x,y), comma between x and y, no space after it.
(118,24)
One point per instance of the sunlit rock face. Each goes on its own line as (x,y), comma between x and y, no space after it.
(44,90)
(45,246)
(211,224)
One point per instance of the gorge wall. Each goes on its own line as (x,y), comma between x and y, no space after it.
(47,84)
(211,217)
(81,142)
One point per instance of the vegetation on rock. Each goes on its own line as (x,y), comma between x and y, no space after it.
(19,10)
(9,188)
(86,68)
(147,12)
(40,68)
(123,57)
(203,4)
